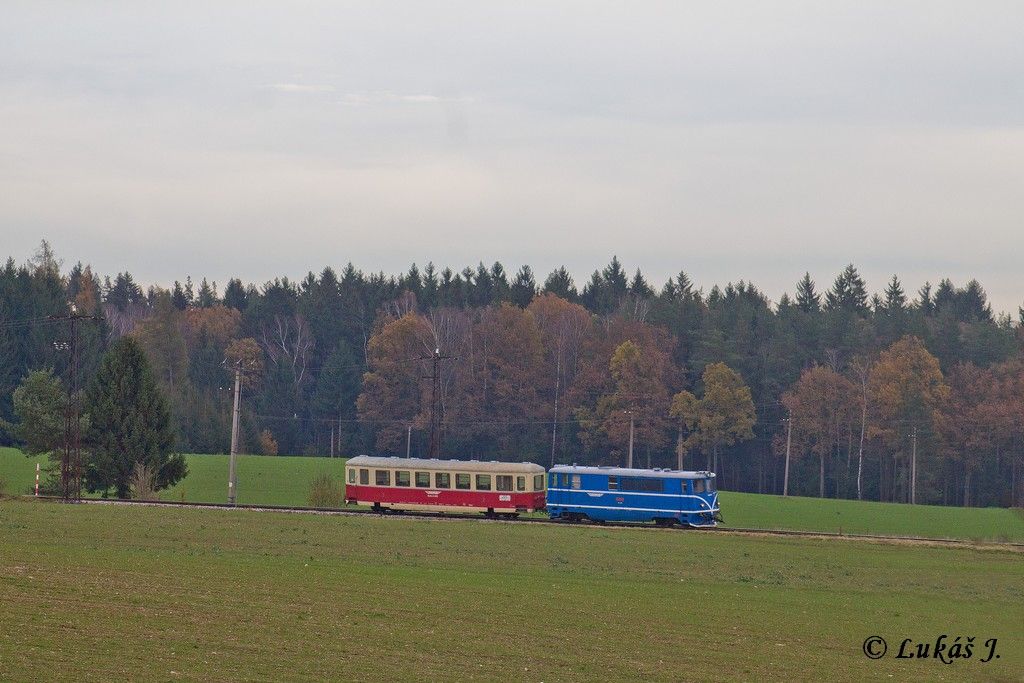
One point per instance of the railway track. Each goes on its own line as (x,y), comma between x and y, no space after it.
(721,529)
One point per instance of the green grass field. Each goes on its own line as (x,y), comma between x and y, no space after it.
(285,481)
(115,593)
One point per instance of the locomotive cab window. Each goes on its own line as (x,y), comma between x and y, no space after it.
(698,486)
(364,477)
(462,481)
(577,482)
(483,482)
(565,481)
(402,478)
(351,476)
(423,480)
(502,482)
(442,480)
(711,484)
(520,483)
(383,477)
(538,482)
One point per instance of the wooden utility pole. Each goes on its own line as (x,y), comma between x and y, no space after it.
(408,440)
(71,460)
(630,461)
(913,466)
(232,479)
(789,443)
(435,403)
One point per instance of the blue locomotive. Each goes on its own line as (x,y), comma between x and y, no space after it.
(615,494)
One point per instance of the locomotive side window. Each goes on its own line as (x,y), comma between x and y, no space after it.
(538,482)
(554,480)
(711,484)
(423,480)
(565,481)
(442,480)
(613,483)
(483,482)
(402,478)
(576,482)
(520,483)
(383,477)
(502,482)
(698,486)
(364,477)
(642,484)
(462,481)
(351,476)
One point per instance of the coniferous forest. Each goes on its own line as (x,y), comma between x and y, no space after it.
(900,395)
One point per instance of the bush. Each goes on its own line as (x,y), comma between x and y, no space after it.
(142,482)
(268,445)
(326,492)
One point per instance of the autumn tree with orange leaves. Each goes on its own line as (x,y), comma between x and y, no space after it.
(907,394)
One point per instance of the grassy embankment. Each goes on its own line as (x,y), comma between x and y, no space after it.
(286,480)
(162,594)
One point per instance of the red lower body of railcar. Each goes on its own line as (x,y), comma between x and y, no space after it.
(445,500)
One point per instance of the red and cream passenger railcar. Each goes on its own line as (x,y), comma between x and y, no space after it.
(444,485)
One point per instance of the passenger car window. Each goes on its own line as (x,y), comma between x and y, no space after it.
(502,482)
(520,483)
(402,478)
(538,482)
(383,477)
(423,480)
(351,476)
(483,482)
(364,476)
(442,480)
(462,481)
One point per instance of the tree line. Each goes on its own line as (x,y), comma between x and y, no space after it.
(832,392)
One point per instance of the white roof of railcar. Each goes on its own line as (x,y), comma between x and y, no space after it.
(627,472)
(446,465)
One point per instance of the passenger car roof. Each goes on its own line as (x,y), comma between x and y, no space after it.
(446,465)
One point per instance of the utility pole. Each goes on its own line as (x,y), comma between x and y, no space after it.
(630,461)
(408,440)
(232,479)
(789,443)
(435,403)
(71,462)
(913,466)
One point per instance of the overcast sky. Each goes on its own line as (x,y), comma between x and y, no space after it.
(732,140)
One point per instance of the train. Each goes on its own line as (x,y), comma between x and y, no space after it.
(569,493)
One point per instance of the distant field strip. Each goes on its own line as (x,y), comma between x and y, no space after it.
(142,593)
(285,481)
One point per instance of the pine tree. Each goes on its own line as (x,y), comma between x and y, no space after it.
(807,299)
(207,294)
(129,423)
(523,287)
(560,283)
(849,293)
(639,287)
(234,295)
